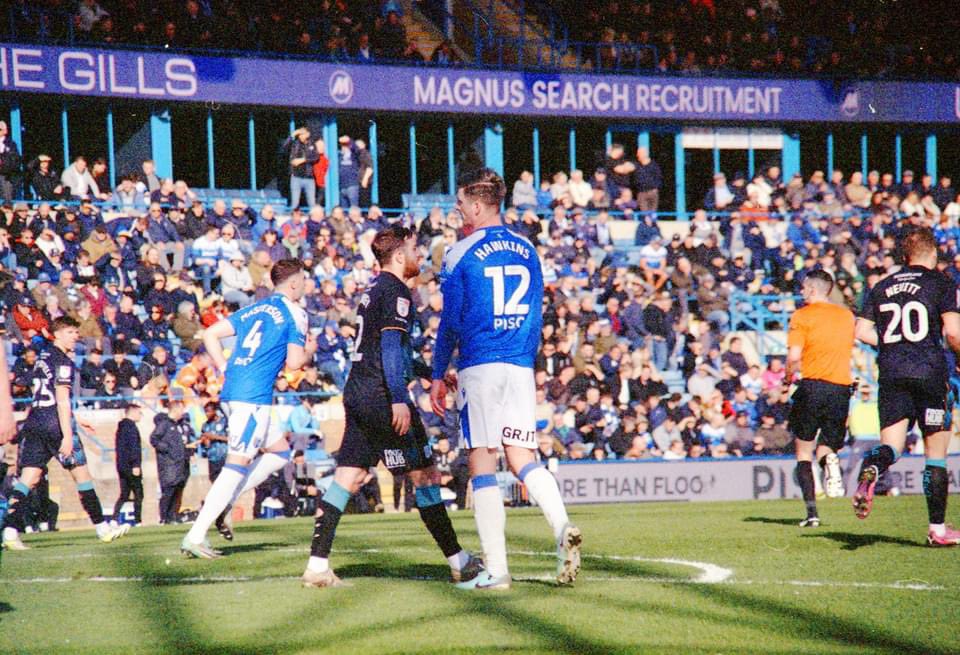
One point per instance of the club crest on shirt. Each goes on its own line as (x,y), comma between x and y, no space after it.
(403,307)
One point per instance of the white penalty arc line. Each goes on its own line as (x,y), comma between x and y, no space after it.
(709,574)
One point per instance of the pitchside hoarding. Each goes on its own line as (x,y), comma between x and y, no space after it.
(165,76)
(730,479)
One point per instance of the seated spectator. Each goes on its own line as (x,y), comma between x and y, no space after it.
(186,326)
(228,245)
(236,284)
(122,369)
(676,451)
(78,183)
(108,394)
(91,371)
(776,439)
(157,363)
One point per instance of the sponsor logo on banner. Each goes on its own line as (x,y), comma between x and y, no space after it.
(341,87)
(851,104)
(730,479)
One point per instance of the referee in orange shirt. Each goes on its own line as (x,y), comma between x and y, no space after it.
(820,344)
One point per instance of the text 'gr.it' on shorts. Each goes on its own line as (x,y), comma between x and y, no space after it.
(497,405)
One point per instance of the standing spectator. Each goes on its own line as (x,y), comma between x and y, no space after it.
(129,464)
(349,169)
(303,155)
(647,180)
(9,164)
(365,163)
(320,168)
(656,321)
(170,440)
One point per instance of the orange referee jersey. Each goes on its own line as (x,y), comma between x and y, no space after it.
(825,332)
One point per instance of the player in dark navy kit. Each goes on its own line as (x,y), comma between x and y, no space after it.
(906,316)
(48,433)
(381,421)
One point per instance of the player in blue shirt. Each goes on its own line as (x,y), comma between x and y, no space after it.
(492,285)
(270,335)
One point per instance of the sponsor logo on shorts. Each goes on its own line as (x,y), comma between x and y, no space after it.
(394,458)
(934,417)
(516,434)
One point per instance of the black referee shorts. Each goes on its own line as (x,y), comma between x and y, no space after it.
(369,437)
(924,401)
(820,406)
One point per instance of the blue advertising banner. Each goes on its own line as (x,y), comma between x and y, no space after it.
(162,76)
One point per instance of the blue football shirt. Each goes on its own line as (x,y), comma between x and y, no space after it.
(492,284)
(263,331)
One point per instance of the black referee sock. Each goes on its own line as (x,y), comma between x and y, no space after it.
(16,509)
(324,530)
(91,504)
(807,488)
(935,486)
(883,457)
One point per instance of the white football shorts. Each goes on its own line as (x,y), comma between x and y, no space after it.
(251,428)
(497,404)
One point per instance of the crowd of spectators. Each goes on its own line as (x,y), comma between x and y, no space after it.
(778,37)
(781,37)
(623,323)
(362,31)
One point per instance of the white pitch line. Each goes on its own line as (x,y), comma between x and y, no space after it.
(709,573)
(897,586)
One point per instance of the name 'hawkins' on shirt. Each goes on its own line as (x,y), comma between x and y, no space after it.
(491,247)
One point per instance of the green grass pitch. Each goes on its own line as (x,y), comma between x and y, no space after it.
(847,587)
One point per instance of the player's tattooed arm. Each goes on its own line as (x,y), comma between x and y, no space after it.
(866,332)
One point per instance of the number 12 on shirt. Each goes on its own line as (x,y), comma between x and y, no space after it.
(508,313)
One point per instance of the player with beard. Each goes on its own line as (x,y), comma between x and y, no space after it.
(382,423)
